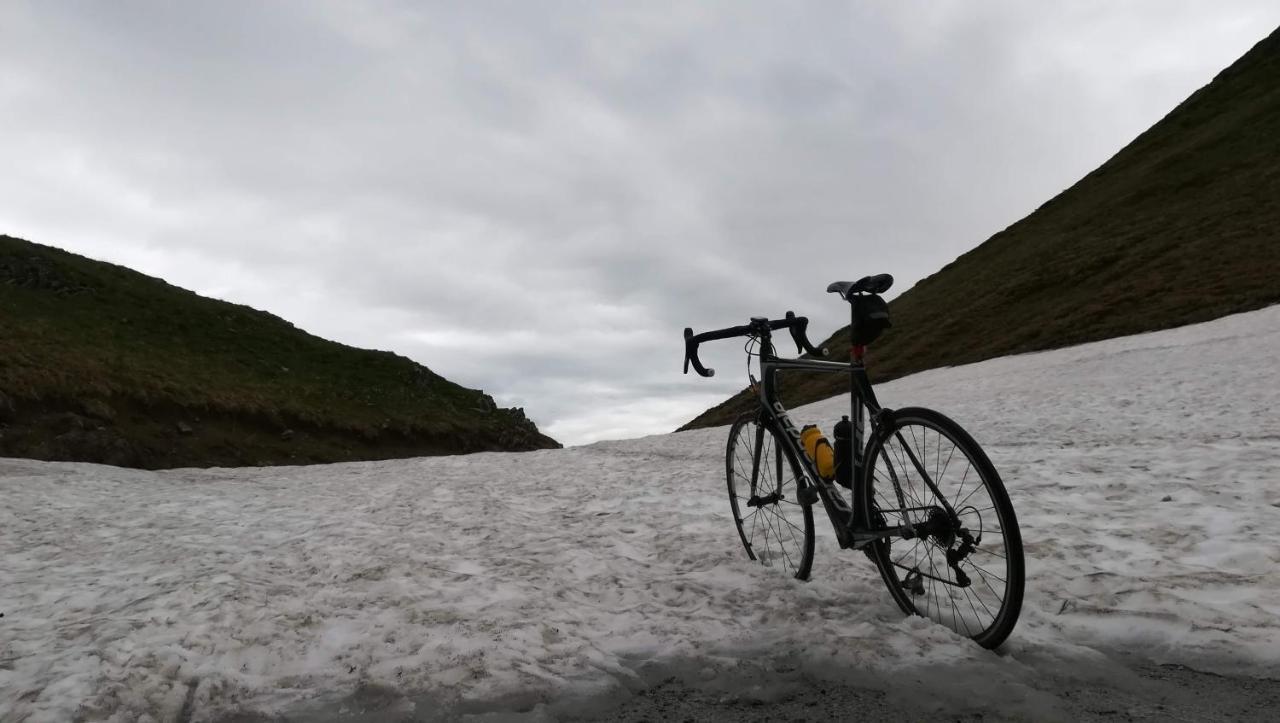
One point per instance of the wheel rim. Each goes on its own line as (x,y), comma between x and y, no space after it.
(918,569)
(773,533)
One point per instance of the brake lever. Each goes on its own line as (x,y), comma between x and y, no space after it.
(801,339)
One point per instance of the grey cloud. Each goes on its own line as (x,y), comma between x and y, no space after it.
(536,198)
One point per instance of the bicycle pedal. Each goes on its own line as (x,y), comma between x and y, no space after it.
(914,582)
(808,495)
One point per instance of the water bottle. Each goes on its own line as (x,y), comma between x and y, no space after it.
(818,450)
(844,458)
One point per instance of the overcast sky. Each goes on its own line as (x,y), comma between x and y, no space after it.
(535,198)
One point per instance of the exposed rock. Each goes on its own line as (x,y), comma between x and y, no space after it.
(98,409)
(38,273)
(67,422)
(184,428)
(101,446)
(286,435)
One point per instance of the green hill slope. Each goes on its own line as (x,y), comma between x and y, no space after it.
(99,363)
(1180,226)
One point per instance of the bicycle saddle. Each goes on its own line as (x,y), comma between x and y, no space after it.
(877,284)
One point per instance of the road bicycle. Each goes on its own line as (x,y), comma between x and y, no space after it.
(924,501)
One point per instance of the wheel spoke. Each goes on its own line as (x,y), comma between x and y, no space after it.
(770,539)
(977,617)
(975,490)
(989,552)
(911,552)
(778,528)
(983,603)
(778,538)
(985,573)
(938,464)
(789,524)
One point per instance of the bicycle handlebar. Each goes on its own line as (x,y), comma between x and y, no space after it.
(797,325)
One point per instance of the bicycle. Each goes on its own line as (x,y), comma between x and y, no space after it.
(937,548)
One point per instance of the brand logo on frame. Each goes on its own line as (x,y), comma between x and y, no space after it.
(787,424)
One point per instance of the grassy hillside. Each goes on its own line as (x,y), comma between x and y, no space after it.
(1181,226)
(100,363)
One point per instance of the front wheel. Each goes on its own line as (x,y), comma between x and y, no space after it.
(963,568)
(764,494)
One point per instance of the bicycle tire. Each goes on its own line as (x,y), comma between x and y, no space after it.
(779,533)
(938,592)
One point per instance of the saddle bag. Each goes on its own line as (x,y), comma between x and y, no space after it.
(870,318)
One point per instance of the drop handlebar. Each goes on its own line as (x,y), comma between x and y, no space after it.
(759,326)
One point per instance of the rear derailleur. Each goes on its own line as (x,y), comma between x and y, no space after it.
(956,555)
(945,531)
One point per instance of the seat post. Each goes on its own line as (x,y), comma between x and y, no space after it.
(856,367)
(853,329)
(854,415)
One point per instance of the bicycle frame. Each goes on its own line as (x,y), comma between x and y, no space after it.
(862,399)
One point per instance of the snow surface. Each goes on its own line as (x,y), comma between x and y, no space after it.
(541,576)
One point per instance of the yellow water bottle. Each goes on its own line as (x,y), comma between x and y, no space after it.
(818,450)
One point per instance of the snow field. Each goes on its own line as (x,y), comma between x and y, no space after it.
(533,577)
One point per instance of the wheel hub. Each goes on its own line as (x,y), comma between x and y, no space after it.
(769,499)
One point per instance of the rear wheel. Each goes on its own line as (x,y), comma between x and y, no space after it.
(775,528)
(964,568)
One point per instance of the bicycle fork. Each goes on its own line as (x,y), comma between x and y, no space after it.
(774,496)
